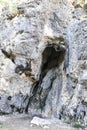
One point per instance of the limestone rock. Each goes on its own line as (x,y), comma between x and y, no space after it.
(39,121)
(43,58)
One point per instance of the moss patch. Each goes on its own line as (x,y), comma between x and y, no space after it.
(77,125)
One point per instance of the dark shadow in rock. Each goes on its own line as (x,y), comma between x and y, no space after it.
(10,55)
(9,98)
(52,57)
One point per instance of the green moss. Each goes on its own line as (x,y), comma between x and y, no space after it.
(77,125)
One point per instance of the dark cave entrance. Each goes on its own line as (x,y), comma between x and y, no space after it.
(52,57)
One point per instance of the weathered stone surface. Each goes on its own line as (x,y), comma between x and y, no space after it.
(43,58)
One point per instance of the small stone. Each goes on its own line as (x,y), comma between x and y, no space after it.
(46,127)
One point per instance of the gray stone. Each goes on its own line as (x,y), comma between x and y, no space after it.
(43,58)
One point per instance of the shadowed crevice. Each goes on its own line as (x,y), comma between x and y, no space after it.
(51,58)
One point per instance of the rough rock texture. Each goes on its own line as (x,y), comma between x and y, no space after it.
(43,58)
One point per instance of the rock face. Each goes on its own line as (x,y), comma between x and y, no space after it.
(43,58)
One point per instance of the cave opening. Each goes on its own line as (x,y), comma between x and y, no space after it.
(52,57)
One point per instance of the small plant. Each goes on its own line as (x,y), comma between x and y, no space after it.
(68,122)
(77,125)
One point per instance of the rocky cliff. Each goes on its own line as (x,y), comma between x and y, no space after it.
(43,58)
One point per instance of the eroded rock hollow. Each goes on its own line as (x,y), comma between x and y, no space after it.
(52,58)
